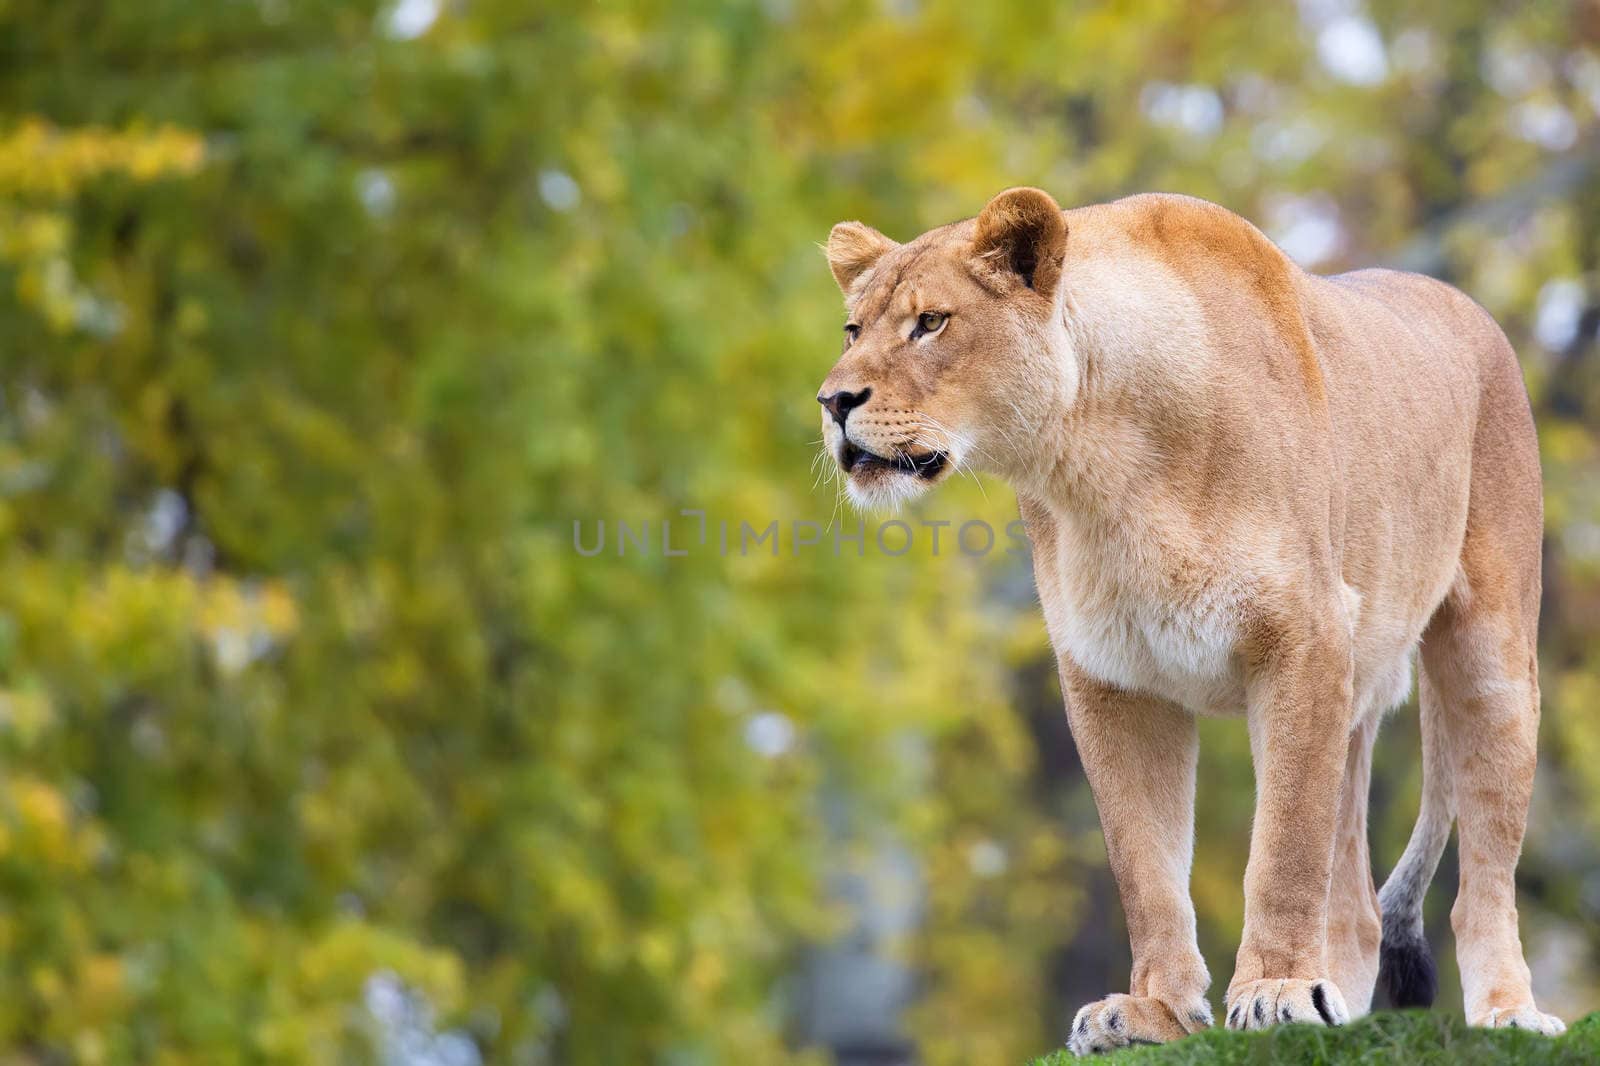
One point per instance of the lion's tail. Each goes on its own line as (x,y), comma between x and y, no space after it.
(1405,965)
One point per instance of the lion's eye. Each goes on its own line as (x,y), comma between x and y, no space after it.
(851,332)
(929,322)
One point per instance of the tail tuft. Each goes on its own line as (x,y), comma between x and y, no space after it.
(1405,968)
(1405,965)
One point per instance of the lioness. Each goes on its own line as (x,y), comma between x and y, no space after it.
(1249,490)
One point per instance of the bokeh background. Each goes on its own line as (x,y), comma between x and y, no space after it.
(320,325)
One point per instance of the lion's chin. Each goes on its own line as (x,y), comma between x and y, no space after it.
(885,489)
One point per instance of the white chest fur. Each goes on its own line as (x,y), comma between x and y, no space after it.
(1132,615)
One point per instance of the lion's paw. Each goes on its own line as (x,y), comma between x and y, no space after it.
(1119,1020)
(1272,1001)
(1524,1017)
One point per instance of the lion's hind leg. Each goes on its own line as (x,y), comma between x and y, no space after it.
(1479,654)
(1480,659)
(1353,918)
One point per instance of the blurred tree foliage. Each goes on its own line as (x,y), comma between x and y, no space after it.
(321,323)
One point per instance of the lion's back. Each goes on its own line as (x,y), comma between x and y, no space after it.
(1410,346)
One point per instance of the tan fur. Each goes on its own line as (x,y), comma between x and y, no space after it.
(1250,490)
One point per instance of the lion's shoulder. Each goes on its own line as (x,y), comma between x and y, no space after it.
(1192,234)
(1249,294)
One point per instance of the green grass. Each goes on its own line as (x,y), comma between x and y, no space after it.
(1416,1038)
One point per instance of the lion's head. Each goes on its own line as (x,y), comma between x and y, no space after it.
(955,352)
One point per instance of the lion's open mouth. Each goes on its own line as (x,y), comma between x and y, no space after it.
(925,466)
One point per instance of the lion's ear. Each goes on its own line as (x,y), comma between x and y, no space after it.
(852,250)
(1023,232)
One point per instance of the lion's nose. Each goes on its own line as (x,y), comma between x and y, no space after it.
(840,403)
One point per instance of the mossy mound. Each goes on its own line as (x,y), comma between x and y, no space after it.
(1416,1038)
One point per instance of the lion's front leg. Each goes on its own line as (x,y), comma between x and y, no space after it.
(1139,754)
(1299,696)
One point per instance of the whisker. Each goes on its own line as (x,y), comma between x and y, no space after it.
(951,437)
(961,467)
(968,444)
(1009,439)
(837,476)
